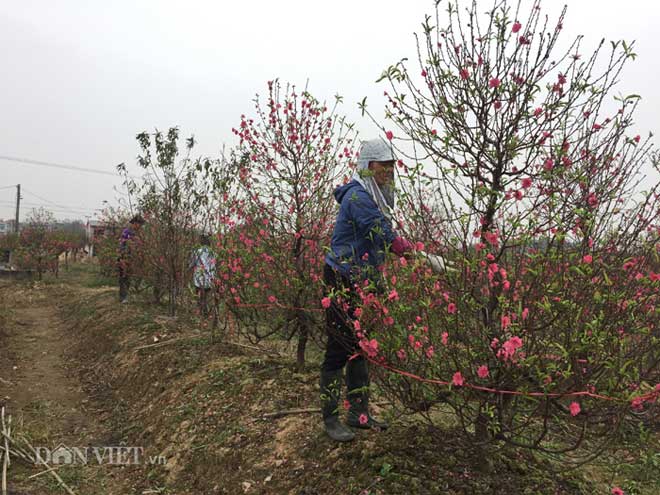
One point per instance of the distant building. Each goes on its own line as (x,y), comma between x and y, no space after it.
(6,226)
(97,230)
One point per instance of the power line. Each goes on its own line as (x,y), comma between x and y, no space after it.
(57,165)
(54,204)
(8,187)
(49,206)
(66,213)
(29,203)
(58,208)
(50,203)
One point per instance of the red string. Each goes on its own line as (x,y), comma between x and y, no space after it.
(649,396)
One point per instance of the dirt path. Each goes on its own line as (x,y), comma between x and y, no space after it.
(38,344)
(40,389)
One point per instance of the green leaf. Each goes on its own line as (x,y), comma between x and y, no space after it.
(362,105)
(577,270)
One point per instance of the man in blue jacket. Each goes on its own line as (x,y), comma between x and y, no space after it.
(362,236)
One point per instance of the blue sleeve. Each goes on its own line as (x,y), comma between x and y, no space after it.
(369,220)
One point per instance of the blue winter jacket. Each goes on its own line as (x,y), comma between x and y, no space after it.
(361,235)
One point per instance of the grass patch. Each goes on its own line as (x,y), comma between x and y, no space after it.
(100,281)
(634,466)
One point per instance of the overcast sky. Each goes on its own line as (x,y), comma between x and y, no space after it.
(81,78)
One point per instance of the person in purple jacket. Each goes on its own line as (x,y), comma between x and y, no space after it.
(124,258)
(363,234)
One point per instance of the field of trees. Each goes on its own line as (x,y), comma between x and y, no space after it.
(518,166)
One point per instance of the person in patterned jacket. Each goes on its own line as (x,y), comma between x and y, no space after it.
(203,265)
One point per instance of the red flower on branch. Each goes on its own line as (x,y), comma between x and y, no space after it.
(574,408)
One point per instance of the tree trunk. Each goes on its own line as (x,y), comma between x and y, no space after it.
(172,296)
(482,437)
(303,335)
(481,434)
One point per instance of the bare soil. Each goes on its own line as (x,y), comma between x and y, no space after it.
(41,390)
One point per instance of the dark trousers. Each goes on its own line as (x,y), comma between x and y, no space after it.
(202,301)
(342,342)
(124,283)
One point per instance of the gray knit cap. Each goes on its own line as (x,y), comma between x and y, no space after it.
(376,150)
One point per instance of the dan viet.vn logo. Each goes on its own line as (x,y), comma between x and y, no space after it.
(119,455)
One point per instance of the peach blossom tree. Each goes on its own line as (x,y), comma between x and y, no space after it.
(289,159)
(522,168)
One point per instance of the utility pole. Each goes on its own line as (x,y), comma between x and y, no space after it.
(18,205)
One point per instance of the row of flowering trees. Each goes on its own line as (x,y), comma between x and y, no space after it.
(40,243)
(268,205)
(515,168)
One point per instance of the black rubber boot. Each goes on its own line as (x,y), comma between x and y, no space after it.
(357,381)
(330,394)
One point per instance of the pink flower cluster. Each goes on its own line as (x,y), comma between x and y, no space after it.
(370,347)
(638,402)
(508,350)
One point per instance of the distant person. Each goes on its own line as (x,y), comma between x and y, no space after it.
(362,235)
(126,250)
(203,265)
